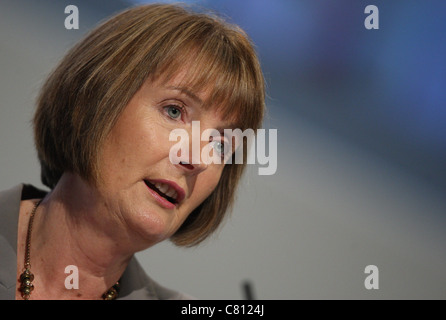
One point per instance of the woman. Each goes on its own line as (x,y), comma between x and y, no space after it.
(102,129)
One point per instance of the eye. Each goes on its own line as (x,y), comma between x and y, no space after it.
(219,147)
(173,111)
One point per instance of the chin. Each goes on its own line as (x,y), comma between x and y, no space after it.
(155,226)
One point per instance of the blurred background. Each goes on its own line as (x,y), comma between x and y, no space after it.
(361,174)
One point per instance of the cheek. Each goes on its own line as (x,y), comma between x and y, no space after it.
(135,143)
(206,184)
(151,145)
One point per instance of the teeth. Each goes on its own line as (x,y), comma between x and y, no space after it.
(166,189)
(170,192)
(162,187)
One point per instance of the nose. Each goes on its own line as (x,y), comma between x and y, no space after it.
(186,159)
(192,169)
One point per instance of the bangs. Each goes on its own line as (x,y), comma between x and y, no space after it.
(223,65)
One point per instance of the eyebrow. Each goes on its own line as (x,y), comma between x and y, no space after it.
(187,92)
(194,97)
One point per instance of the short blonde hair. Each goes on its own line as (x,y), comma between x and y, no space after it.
(84,96)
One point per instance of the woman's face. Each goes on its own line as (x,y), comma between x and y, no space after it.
(139,183)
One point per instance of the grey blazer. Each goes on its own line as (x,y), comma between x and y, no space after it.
(135,284)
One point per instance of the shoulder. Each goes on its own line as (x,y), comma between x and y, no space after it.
(9,212)
(10,200)
(137,285)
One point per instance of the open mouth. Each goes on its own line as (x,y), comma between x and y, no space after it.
(164,190)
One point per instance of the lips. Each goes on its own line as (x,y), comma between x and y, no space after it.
(166,192)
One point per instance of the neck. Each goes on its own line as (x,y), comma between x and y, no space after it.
(73,226)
